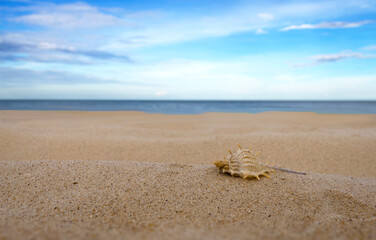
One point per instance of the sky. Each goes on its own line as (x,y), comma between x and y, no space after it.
(188,49)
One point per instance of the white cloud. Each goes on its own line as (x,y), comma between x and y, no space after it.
(11,50)
(335,88)
(260,31)
(324,58)
(371,47)
(151,27)
(243,18)
(185,79)
(208,80)
(336,57)
(292,78)
(160,93)
(53,46)
(266,16)
(243,78)
(75,15)
(328,25)
(258,77)
(27,77)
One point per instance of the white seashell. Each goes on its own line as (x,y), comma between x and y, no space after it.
(243,163)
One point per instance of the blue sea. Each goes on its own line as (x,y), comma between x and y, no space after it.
(193,107)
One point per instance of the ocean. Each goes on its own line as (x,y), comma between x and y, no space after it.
(193,107)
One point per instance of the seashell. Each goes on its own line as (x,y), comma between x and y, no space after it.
(243,163)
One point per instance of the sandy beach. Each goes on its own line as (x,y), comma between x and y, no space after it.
(134,175)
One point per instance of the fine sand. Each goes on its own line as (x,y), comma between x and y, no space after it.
(127,175)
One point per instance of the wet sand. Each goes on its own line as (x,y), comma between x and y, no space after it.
(126,175)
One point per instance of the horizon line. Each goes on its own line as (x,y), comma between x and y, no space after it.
(186,100)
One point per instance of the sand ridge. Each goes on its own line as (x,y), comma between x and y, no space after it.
(135,198)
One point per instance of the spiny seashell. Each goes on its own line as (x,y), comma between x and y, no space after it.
(243,163)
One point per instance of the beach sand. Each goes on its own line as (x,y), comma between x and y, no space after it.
(132,175)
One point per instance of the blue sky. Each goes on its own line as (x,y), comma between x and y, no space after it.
(188,49)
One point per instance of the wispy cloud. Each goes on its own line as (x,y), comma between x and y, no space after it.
(341,87)
(46,51)
(260,31)
(22,76)
(266,16)
(371,47)
(244,18)
(160,93)
(52,84)
(75,15)
(20,1)
(337,57)
(12,76)
(91,46)
(327,25)
(152,27)
(325,58)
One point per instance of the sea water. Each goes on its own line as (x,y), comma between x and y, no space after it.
(193,107)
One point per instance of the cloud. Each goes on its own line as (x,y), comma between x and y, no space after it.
(327,25)
(245,78)
(237,19)
(133,29)
(371,47)
(160,93)
(74,40)
(336,57)
(50,52)
(260,31)
(325,58)
(21,76)
(24,83)
(266,16)
(331,88)
(18,1)
(75,15)
(194,79)
(12,76)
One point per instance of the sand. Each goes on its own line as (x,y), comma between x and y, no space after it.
(132,175)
